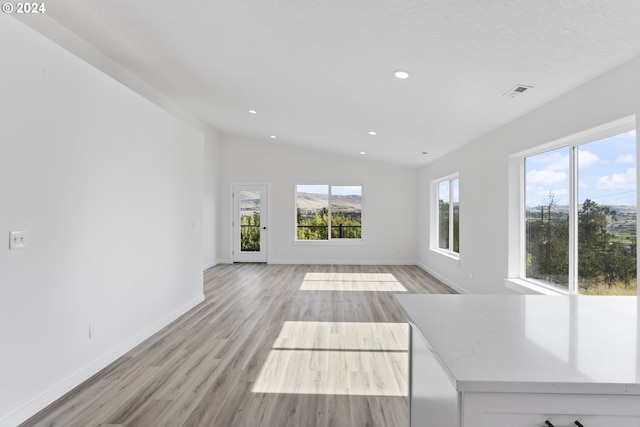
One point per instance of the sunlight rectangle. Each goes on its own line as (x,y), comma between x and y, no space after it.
(343,336)
(323,285)
(360,373)
(369,282)
(340,358)
(354,277)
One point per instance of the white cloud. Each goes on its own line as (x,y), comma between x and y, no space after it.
(559,164)
(552,160)
(626,158)
(586,159)
(630,134)
(546,177)
(618,181)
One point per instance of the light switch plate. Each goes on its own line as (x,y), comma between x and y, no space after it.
(17,239)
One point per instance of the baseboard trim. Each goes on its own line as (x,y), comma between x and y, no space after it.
(443,279)
(217,262)
(48,397)
(340,262)
(208,266)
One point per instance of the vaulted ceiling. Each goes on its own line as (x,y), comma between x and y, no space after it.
(319,73)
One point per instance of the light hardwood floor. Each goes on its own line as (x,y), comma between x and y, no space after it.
(271,345)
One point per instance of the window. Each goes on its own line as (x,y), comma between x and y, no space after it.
(328,212)
(447,215)
(580,215)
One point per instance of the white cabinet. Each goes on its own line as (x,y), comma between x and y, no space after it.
(434,402)
(560,420)
(562,410)
(510,361)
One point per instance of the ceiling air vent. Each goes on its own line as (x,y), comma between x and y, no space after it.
(518,90)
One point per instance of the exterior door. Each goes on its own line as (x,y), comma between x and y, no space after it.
(249,223)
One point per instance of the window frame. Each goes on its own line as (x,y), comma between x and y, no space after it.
(435,216)
(330,240)
(517,280)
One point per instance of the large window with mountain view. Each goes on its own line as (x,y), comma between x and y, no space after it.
(328,212)
(580,216)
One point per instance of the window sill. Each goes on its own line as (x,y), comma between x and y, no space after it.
(332,242)
(524,286)
(447,254)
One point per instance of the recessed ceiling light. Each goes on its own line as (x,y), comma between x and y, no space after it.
(272,137)
(253,112)
(401,74)
(363,153)
(372,133)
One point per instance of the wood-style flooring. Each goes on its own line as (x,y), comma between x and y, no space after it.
(271,345)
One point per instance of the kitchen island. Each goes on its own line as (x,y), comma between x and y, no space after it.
(523,360)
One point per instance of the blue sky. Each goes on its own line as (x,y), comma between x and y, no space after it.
(606,173)
(341,190)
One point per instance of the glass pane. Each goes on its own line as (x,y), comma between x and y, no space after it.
(249,221)
(456,215)
(312,206)
(607,216)
(547,216)
(346,212)
(443,215)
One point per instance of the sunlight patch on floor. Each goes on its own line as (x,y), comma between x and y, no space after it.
(334,372)
(373,282)
(340,358)
(343,336)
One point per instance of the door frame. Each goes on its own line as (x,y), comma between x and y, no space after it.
(233,219)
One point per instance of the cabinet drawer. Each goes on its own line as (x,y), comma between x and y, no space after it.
(538,420)
(562,410)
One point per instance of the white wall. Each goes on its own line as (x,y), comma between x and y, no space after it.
(484,174)
(210,201)
(389,202)
(88,53)
(109,187)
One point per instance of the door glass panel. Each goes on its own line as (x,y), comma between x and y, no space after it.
(249,221)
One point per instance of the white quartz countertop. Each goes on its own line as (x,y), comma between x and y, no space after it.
(532,343)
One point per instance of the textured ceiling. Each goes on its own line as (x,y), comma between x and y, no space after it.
(319,73)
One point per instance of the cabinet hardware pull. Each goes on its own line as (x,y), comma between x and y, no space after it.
(577,423)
